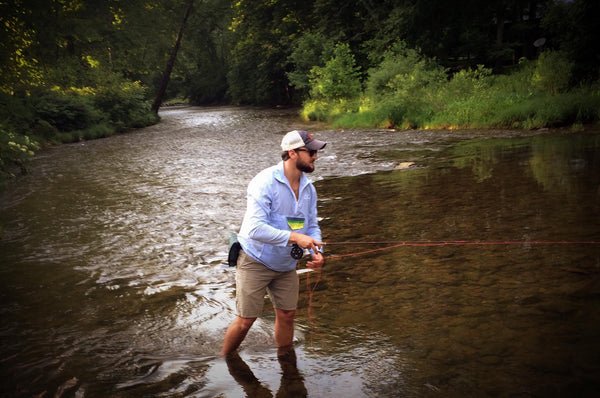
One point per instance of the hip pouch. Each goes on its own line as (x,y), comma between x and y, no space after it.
(234,250)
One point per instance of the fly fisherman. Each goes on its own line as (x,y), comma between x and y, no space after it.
(281,215)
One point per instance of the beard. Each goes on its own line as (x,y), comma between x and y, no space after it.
(304,167)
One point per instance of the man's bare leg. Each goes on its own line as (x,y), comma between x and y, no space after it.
(284,327)
(236,333)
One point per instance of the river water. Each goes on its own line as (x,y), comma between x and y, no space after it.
(114,282)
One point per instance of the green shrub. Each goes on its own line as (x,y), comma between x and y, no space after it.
(404,88)
(467,82)
(310,50)
(553,72)
(338,79)
(64,111)
(16,112)
(315,110)
(124,104)
(402,69)
(15,150)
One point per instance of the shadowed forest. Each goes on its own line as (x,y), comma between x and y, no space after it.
(81,69)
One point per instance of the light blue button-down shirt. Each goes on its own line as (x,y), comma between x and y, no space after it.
(272,214)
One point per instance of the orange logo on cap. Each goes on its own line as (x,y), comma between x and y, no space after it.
(310,136)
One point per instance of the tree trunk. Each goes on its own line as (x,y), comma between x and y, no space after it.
(164,81)
(499,37)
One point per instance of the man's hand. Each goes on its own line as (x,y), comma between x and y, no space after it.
(305,241)
(317,261)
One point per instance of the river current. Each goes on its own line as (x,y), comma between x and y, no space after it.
(114,279)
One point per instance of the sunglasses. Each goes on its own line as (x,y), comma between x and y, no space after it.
(311,152)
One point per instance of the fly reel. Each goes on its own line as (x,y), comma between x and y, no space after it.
(297,252)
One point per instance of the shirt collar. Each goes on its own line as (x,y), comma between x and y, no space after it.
(280,176)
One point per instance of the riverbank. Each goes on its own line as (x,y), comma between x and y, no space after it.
(17,149)
(48,116)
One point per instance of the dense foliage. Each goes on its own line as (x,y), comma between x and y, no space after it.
(408,90)
(78,69)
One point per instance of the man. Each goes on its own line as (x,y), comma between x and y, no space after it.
(281,212)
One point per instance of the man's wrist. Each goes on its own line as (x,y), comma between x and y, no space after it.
(293,238)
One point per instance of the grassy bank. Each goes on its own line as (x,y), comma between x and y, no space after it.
(410,91)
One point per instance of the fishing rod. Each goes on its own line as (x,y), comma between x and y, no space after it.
(462,242)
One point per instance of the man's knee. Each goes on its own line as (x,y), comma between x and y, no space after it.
(286,315)
(245,323)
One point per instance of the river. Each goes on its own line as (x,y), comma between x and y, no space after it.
(114,282)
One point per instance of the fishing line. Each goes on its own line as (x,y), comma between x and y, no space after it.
(310,315)
(400,243)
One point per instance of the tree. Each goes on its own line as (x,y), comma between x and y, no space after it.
(572,27)
(201,69)
(167,74)
(264,33)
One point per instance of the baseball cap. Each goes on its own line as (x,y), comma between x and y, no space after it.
(299,138)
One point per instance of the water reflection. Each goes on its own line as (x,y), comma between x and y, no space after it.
(557,162)
(113,280)
(292,381)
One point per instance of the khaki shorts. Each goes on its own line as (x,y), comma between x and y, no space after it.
(252,279)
